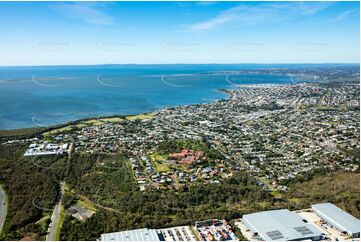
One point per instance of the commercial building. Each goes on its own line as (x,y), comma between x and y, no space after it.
(132,235)
(46,149)
(279,225)
(181,233)
(214,229)
(338,218)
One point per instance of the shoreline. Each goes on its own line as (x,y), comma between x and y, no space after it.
(44,128)
(224,91)
(31,122)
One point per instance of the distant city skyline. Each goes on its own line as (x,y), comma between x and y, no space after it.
(89,33)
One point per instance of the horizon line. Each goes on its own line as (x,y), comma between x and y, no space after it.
(214,63)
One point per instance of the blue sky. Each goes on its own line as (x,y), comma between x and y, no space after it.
(56,33)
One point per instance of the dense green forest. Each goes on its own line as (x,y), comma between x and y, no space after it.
(156,209)
(32,186)
(102,177)
(340,188)
(107,183)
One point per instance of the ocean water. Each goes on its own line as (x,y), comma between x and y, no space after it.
(43,96)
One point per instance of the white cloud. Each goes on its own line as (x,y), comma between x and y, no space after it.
(307,8)
(88,12)
(343,15)
(222,18)
(265,12)
(206,3)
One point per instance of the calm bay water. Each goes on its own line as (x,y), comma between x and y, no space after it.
(41,96)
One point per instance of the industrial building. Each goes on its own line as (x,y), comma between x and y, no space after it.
(132,235)
(280,225)
(338,218)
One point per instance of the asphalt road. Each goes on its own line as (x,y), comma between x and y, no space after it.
(55,218)
(3,210)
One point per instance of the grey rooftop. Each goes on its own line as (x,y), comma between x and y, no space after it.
(132,235)
(280,225)
(335,216)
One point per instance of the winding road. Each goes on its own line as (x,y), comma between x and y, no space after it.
(3,209)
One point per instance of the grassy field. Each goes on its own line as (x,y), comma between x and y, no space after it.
(157,157)
(158,161)
(92,122)
(82,124)
(87,205)
(58,130)
(160,167)
(69,126)
(112,120)
(327,108)
(65,127)
(139,117)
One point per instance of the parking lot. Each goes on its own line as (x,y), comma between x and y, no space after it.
(245,231)
(181,233)
(330,232)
